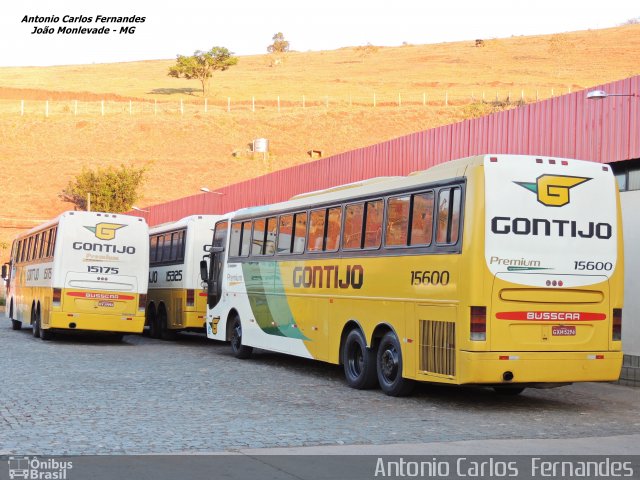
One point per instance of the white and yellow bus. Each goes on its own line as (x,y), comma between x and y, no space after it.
(495,270)
(80,271)
(176,300)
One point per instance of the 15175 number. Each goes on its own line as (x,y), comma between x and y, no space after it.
(101,269)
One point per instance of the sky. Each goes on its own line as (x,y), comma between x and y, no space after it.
(246,27)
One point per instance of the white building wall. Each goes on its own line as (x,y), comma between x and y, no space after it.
(631,312)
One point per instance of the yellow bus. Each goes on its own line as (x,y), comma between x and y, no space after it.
(80,271)
(176,300)
(497,270)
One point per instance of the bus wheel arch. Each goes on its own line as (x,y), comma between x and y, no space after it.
(358,360)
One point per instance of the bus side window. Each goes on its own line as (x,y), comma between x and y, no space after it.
(397,221)
(220,234)
(160,248)
(300,233)
(153,249)
(373,224)
(316,230)
(270,237)
(245,247)
(422,219)
(166,248)
(448,215)
(44,243)
(257,244)
(52,241)
(353,223)
(334,224)
(234,242)
(285,233)
(183,244)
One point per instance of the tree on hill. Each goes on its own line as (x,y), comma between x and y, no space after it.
(364,51)
(107,189)
(201,65)
(279,45)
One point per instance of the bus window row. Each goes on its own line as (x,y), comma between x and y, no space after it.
(167,248)
(36,246)
(418,219)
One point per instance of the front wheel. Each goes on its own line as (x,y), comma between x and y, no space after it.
(239,350)
(389,366)
(359,362)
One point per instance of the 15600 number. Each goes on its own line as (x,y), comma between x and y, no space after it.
(429,277)
(584,265)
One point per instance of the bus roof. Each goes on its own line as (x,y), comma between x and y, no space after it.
(78,213)
(448,170)
(183,222)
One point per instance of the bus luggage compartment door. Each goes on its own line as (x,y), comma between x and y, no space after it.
(556,318)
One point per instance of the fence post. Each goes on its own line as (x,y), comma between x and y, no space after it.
(228,104)
(206,105)
(303,102)
(130,108)
(46,109)
(424,99)
(446,98)
(181,107)
(253,104)
(278,103)
(21,107)
(374,99)
(102,107)
(75,107)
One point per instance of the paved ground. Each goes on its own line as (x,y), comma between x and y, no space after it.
(78,395)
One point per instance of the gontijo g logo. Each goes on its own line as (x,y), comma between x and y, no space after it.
(105,231)
(553,190)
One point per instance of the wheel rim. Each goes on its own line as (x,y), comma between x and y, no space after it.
(390,364)
(355,360)
(236,338)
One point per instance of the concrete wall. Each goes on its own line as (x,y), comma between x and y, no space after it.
(631,311)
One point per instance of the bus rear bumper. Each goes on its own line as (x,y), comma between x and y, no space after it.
(504,368)
(96,322)
(194,320)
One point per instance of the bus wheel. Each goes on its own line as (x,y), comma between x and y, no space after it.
(35,323)
(389,366)
(154,327)
(508,391)
(239,350)
(15,324)
(165,332)
(45,333)
(359,362)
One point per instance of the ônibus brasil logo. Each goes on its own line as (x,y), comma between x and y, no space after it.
(105,231)
(553,190)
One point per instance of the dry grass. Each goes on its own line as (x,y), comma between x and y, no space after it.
(38,155)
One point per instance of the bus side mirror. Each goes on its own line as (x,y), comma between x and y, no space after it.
(204,271)
(207,248)
(4,271)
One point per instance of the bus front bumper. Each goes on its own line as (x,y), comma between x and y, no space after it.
(538,367)
(97,322)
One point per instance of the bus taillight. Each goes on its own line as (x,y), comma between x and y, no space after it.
(57,295)
(190,297)
(142,301)
(616,332)
(479,323)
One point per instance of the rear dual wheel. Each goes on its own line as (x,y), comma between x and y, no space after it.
(366,368)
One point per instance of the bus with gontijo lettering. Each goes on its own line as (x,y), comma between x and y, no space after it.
(83,271)
(176,300)
(496,270)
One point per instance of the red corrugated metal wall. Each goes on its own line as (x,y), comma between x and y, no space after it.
(568,126)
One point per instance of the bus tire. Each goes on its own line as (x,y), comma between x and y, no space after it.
(389,367)
(35,323)
(15,324)
(165,332)
(509,391)
(239,350)
(359,361)
(46,333)
(154,327)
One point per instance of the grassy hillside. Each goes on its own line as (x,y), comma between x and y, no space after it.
(39,155)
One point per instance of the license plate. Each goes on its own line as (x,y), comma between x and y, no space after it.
(106,304)
(563,330)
